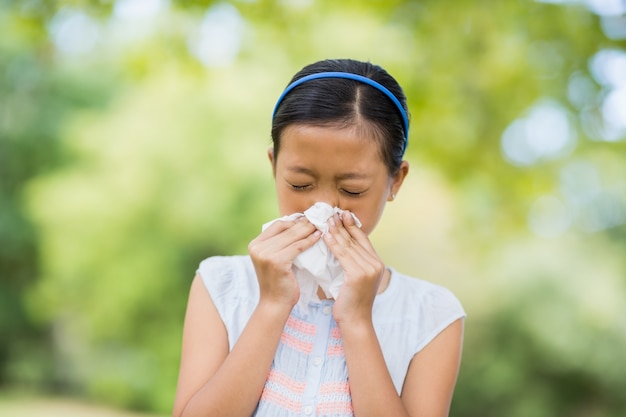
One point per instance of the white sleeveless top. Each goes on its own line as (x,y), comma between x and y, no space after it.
(309,375)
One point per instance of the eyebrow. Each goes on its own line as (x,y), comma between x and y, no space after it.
(344,176)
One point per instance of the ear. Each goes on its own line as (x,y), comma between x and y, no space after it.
(397,180)
(270,155)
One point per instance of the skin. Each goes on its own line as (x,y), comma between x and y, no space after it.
(342,167)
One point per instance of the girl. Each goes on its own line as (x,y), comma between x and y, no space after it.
(389,345)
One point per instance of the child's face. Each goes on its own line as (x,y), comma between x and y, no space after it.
(337,166)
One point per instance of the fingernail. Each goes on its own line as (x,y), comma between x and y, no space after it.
(331,221)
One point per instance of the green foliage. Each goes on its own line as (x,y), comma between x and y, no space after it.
(153,199)
(34,101)
(126,161)
(551,343)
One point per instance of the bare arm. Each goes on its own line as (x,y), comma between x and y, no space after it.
(214,381)
(432,374)
(373,392)
(428,386)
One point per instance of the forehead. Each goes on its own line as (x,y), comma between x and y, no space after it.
(346,149)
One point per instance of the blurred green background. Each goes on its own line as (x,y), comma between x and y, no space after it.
(132,145)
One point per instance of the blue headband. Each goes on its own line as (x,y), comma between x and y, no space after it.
(356,77)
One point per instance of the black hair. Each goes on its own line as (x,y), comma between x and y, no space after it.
(344,103)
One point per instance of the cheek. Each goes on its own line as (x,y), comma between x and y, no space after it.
(288,203)
(368,223)
(370,216)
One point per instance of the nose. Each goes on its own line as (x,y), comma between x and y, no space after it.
(328,196)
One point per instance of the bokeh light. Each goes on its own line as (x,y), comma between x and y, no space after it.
(219,38)
(543,133)
(74,32)
(549,216)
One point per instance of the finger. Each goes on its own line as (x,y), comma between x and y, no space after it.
(350,255)
(287,232)
(299,246)
(287,244)
(286,255)
(359,271)
(352,247)
(355,232)
(357,262)
(342,235)
(271,242)
(345,248)
(278,226)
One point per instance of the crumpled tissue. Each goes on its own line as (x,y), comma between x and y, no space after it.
(316,266)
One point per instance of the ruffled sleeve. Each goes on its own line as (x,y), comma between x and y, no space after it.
(233,287)
(439,308)
(408,315)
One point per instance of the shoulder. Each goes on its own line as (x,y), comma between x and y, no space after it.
(425,308)
(228,275)
(407,316)
(431,297)
(417,294)
(233,287)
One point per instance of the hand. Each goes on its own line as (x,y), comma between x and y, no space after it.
(273,252)
(362,268)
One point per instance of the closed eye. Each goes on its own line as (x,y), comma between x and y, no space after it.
(299,187)
(352,193)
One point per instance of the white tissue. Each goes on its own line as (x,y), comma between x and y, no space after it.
(317,266)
